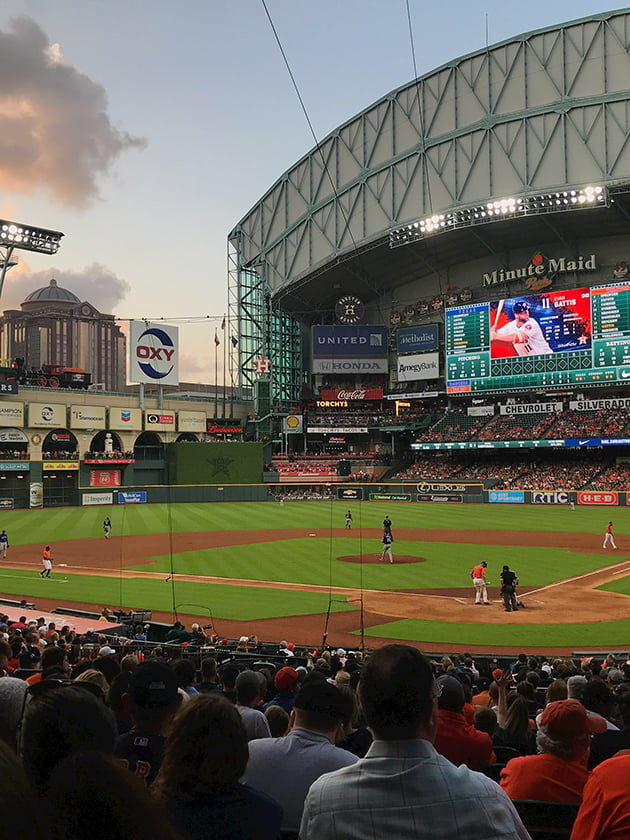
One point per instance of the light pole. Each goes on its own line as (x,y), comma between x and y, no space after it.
(25,238)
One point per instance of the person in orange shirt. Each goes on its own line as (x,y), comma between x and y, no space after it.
(46,562)
(608,536)
(605,810)
(478,575)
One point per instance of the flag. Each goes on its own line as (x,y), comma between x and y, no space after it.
(234,341)
(223,323)
(216,339)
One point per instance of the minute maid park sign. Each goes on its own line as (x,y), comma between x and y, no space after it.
(540,271)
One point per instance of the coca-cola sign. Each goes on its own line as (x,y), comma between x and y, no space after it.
(354,394)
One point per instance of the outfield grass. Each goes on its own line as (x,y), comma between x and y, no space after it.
(35,526)
(315,562)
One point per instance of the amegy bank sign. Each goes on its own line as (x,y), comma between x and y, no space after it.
(153,353)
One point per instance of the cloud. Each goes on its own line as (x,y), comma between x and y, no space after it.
(95,283)
(55,132)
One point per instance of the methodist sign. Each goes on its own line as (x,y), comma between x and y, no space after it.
(153,353)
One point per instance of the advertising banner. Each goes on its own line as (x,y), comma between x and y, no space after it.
(531,408)
(159,420)
(337,430)
(12,413)
(350,365)
(436,497)
(135,497)
(510,497)
(153,353)
(417,339)
(420,366)
(87,416)
(222,427)
(359,394)
(36,494)
(449,489)
(14,466)
(12,436)
(125,418)
(51,415)
(390,497)
(349,342)
(490,444)
(53,466)
(480,411)
(598,405)
(550,497)
(7,504)
(97,499)
(349,494)
(597,497)
(191,421)
(104,478)
(597,442)
(292,425)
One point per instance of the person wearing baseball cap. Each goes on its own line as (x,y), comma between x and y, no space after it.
(523,332)
(287,682)
(152,701)
(559,772)
(478,575)
(285,768)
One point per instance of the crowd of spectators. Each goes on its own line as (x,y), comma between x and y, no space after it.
(13,454)
(525,427)
(115,453)
(336,743)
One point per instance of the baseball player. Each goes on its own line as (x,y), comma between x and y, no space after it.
(107,527)
(608,536)
(523,332)
(387,547)
(478,575)
(47,559)
(387,525)
(4,544)
(348,519)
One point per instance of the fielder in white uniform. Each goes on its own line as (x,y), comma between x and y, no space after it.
(523,332)
(608,536)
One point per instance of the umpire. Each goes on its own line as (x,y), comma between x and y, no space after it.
(509,582)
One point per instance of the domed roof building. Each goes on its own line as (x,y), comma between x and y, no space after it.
(55,327)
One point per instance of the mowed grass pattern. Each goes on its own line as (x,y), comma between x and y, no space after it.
(298,558)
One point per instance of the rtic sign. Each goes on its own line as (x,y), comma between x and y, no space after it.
(153,353)
(552,497)
(590,497)
(356,394)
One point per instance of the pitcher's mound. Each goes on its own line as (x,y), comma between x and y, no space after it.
(375,558)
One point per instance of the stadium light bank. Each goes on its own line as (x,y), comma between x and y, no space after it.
(26,238)
(581,198)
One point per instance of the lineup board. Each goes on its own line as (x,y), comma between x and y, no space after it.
(573,337)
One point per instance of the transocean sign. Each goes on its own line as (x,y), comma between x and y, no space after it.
(537,269)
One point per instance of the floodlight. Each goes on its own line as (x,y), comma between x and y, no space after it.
(26,238)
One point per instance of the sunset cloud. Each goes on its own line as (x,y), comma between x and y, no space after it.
(55,131)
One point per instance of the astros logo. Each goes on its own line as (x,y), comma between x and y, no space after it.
(160,364)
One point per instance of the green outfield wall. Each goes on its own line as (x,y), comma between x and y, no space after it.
(215,463)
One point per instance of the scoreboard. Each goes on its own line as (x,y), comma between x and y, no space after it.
(574,337)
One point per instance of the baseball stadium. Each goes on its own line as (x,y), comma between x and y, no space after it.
(427,319)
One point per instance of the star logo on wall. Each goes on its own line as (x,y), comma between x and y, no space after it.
(220,466)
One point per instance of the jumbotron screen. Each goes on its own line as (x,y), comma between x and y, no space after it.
(574,337)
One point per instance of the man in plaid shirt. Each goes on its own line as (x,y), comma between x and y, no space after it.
(403,787)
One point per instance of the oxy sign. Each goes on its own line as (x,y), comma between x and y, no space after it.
(153,353)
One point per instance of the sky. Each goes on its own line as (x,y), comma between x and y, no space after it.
(146,129)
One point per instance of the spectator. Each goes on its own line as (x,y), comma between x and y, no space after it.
(208,676)
(485,720)
(92,796)
(611,741)
(227,675)
(403,787)
(185,673)
(284,768)
(287,682)
(12,701)
(605,810)
(20,819)
(278,721)
(206,755)
(60,720)
(516,729)
(455,739)
(559,772)
(97,679)
(600,702)
(152,701)
(54,664)
(356,738)
(249,688)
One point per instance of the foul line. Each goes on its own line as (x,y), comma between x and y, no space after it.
(573,579)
